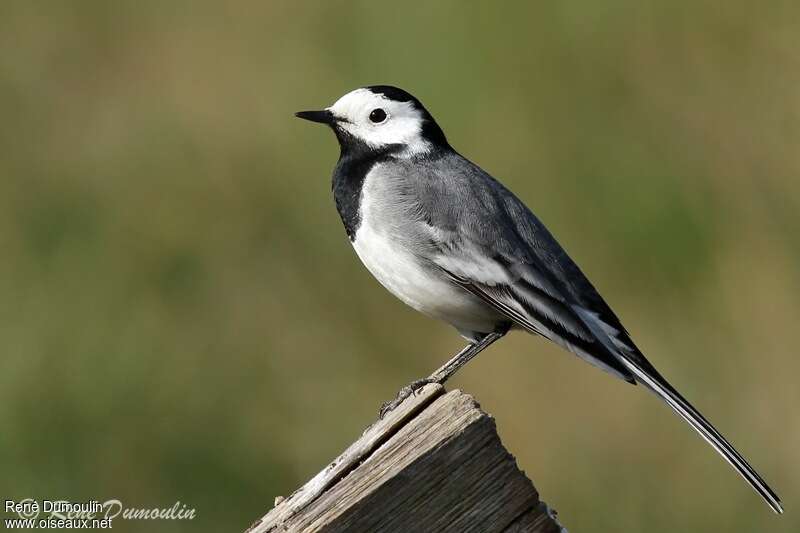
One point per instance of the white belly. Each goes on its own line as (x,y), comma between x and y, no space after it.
(399,270)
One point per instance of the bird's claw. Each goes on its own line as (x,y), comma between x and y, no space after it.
(403,395)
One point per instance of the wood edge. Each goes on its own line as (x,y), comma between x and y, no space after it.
(371,439)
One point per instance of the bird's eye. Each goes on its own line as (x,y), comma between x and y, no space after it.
(377,116)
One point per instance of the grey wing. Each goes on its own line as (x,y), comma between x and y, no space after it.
(489,243)
(520,292)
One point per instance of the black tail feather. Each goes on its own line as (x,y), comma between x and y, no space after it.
(680,405)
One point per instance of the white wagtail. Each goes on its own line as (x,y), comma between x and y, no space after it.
(452,242)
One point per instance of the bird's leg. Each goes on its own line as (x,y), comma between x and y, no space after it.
(446,370)
(462,358)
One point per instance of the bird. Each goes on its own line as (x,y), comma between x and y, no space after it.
(449,240)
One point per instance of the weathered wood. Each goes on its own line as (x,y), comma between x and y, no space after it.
(434,463)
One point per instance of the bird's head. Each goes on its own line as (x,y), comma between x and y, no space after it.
(381,117)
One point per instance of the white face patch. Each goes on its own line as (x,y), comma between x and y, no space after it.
(402,123)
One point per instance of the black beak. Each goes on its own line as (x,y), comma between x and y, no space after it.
(323,117)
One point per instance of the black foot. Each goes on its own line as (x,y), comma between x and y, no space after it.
(404,393)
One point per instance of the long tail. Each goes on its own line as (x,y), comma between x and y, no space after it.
(648,376)
(668,394)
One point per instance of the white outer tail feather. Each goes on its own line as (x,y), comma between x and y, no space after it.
(709,434)
(686,411)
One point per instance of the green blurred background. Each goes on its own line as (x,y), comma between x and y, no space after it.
(182,317)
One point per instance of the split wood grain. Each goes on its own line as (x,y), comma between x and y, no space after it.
(433,464)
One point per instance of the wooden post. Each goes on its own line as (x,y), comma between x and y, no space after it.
(434,463)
